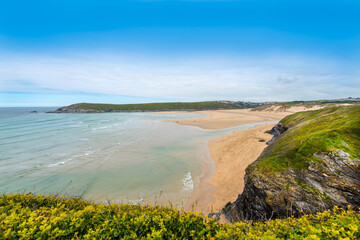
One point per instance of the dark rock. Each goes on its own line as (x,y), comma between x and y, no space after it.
(277,130)
(34,112)
(293,192)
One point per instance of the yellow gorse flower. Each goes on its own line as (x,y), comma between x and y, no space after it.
(25,216)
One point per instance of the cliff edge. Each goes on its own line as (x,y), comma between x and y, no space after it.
(313,165)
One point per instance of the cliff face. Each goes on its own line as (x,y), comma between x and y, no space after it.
(312,166)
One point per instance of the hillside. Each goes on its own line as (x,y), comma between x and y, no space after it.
(196,106)
(312,166)
(304,105)
(170,106)
(25,216)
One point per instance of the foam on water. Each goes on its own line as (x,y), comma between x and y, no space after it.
(56,164)
(188,182)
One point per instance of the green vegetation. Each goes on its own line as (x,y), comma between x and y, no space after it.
(187,106)
(283,106)
(319,102)
(25,216)
(320,131)
(161,106)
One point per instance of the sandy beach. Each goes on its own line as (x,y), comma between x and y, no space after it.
(231,154)
(218,119)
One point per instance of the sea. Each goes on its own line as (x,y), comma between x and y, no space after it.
(132,158)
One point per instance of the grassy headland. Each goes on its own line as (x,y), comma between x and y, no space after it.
(319,131)
(170,106)
(195,106)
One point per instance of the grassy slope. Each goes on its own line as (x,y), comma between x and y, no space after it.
(159,106)
(27,216)
(317,131)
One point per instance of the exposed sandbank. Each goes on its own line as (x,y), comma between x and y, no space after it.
(219,119)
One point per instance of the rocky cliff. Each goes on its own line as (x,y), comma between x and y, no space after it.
(312,166)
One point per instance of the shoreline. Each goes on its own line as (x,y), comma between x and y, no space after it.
(232,154)
(228,155)
(218,185)
(203,191)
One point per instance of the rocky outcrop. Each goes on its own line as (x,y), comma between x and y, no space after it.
(277,130)
(295,191)
(322,180)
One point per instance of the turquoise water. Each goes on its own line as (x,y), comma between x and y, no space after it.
(122,157)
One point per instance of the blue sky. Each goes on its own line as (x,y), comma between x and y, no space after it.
(151,51)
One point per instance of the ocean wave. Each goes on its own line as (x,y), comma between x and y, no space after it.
(87,153)
(188,182)
(56,164)
(103,127)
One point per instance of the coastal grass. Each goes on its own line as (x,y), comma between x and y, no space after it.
(28,216)
(321,131)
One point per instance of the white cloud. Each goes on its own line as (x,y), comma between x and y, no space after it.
(258,79)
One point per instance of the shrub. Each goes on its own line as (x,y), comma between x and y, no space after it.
(26,216)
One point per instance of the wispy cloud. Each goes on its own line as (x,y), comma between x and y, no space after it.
(186,79)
